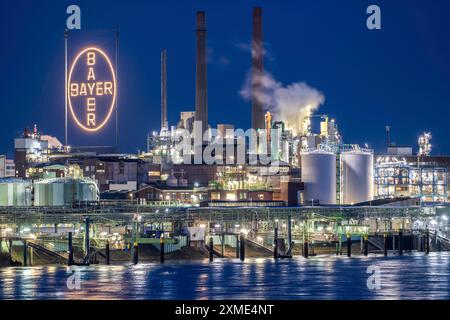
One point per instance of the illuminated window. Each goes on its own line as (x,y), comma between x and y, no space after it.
(231,196)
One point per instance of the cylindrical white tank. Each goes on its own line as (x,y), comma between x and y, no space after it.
(357,176)
(319,176)
(64,191)
(15,192)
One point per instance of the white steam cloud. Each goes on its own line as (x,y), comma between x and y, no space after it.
(290,103)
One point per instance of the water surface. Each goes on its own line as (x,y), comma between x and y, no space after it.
(413,276)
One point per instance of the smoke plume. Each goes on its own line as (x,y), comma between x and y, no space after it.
(290,103)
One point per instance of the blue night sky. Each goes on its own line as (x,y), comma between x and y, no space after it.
(398,76)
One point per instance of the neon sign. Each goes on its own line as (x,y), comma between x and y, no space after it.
(91,99)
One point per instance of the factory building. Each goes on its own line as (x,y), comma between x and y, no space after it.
(405,177)
(33,148)
(118,172)
(399,173)
(170,194)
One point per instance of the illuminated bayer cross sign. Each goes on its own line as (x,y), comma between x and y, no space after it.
(92,89)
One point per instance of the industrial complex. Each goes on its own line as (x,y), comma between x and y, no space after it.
(281,185)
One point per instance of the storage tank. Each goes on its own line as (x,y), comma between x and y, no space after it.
(319,176)
(64,191)
(357,176)
(15,192)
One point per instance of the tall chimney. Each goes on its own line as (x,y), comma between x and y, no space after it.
(201,90)
(164,122)
(257,69)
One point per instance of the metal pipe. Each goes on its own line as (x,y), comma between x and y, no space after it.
(66,36)
(164,124)
(117,80)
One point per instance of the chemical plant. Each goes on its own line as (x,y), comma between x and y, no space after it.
(314,188)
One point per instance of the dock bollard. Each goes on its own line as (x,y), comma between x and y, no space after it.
(366,245)
(423,242)
(10,244)
(211,249)
(400,242)
(135,253)
(305,249)
(349,245)
(385,244)
(70,247)
(427,242)
(107,252)
(30,259)
(25,258)
(242,246)
(161,248)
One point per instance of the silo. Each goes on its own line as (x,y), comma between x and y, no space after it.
(57,192)
(319,176)
(15,192)
(357,176)
(64,191)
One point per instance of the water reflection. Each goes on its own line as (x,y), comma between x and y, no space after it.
(413,276)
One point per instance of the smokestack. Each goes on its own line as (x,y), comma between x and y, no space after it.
(164,122)
(388,136)
(201,90)
(257,69)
